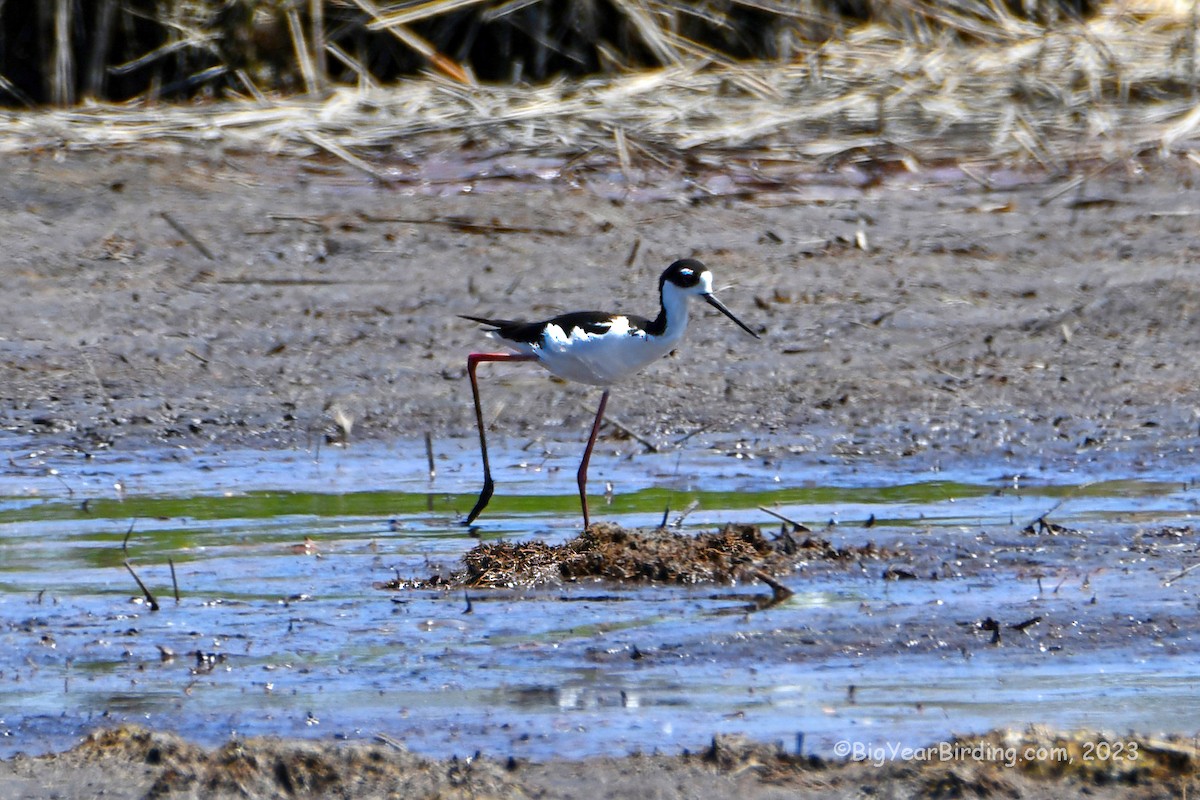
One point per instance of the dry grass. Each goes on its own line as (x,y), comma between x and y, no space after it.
(119,49)
(1120,85)
(1034,762)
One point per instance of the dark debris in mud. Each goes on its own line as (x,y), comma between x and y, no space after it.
(130,762)
(280,768)
(1096,758)
(1034,762)
(1043,527)
(610,552)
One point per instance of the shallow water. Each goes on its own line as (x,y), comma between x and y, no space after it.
(280,627)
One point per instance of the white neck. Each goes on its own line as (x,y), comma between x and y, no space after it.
(675,306)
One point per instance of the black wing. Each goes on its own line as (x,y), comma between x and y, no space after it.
(514,330)
(593,322)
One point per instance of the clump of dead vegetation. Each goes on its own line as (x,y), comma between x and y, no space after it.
(1075,764)
(1093,756)
(259,767)
(610,552)
(641,83)
(58,51)
(1000,763)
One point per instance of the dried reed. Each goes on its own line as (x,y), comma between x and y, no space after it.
(963,81)
(118,50)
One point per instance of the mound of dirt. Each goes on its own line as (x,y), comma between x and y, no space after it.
(610,552)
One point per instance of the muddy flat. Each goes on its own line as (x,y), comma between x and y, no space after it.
(923,315)
(983,390)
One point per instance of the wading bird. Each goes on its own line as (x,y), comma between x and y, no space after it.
(595,348)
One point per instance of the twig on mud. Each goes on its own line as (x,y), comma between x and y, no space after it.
(1040,523)
(54,474)
(345,155)
(633,251)
(1075,182)
(797,527)
(692,506)
(174,581)
(187,235)
(319,221)
(696,432)
(390,742)
(650,446)
(149,597)
(1181,573)
(779,592)
(429,455)
(982,179)
(465,225)
(125,541)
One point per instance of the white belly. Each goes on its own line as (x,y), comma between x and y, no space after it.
(598,359)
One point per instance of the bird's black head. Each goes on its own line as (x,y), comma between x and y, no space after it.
(689,278)
(684,273)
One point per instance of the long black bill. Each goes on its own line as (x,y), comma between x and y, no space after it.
(719,306)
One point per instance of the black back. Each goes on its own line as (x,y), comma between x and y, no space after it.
(593,322)
(684,273)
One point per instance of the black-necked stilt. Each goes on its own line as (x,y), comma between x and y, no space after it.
(595,348)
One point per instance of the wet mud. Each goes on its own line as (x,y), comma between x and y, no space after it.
(921,317)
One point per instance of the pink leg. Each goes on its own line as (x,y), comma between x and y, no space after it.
(581,476)
(473,361)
